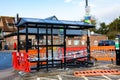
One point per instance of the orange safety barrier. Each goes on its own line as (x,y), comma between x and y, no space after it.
(73,52)
(96,72)
(103,53)
(34,53)
(100,53)
(20,61)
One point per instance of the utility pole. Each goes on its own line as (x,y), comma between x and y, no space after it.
(86,1)
(88,32)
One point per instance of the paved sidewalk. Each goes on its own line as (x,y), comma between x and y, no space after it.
(9,74)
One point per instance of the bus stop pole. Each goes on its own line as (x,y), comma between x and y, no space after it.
(88,45)
(64,47)
(38,48)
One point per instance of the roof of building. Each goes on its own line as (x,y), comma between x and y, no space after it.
(52,18)
(74,24)
(7,24)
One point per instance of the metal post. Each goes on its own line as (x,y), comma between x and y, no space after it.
(18,34)
(26,37)
(86,1)
(88,44)
(47,47)
(18,39)
(38,49)
(52,45)
(64,47)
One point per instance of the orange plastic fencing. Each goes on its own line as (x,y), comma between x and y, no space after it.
(100,53)
(103,53)
(73,52)
(96,72)
(20,61)
(34,53)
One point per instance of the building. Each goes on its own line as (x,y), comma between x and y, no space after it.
(74,38)
(7,27)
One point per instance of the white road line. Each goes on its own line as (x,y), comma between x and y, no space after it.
(59,77)
(45,78)
(106,77)
(68,75)
(85,77)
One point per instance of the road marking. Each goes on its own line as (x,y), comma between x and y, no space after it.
(106,77)
(45,78)
(59,77)
(85,77)
(68,75)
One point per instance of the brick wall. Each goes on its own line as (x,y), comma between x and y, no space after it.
(95,39)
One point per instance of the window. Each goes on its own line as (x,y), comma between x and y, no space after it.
(10,22)
(1,34)
(83,42)
(76,42)
(69,42)
(95,42)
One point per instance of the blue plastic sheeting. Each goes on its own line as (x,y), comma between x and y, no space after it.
(53,22)
(5,60)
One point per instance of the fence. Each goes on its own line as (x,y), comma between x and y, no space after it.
(21,60)
(72,53)
(100,53)
(103,53)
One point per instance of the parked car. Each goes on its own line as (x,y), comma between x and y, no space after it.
(106,43)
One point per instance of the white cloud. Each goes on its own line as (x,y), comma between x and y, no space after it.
(108,14)
(81,3)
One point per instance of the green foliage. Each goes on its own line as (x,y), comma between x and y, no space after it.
(114,28)
(103,29)
(111,29)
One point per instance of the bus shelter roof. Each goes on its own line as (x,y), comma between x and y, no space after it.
(59,23)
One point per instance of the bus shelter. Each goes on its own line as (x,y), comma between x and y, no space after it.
(21,59)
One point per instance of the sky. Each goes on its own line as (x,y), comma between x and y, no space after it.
(103,10)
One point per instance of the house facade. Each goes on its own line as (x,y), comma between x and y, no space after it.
(7,26)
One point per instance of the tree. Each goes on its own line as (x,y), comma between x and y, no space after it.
(114,28)
(110,30)
(103,29)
